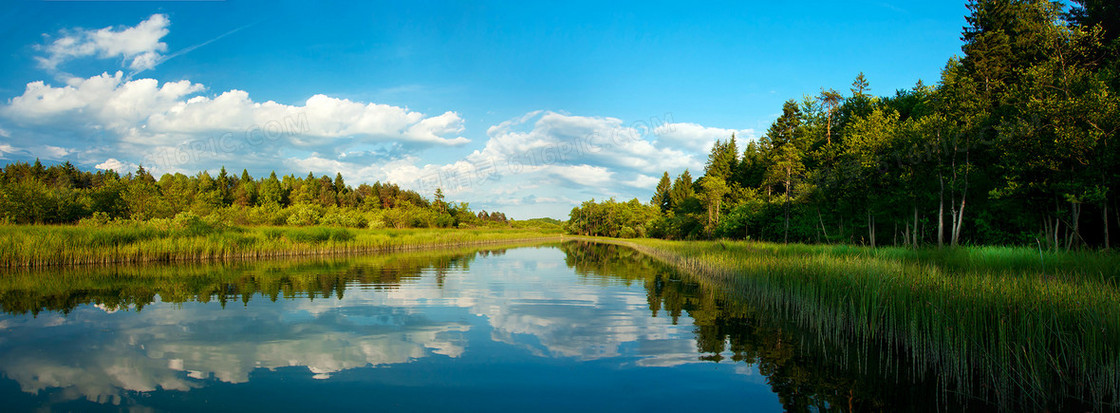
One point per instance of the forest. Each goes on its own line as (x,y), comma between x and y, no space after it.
(35,194)
(1016,144)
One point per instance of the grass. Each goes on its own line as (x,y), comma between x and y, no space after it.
(46,246)
(989,317)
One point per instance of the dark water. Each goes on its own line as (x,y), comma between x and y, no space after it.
(544,329)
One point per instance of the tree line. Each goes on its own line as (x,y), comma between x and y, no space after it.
(1016,144)
(61,193)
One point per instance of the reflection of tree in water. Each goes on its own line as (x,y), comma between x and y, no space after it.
(807,371)
(137,286)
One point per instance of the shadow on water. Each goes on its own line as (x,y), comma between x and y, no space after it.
(806,367)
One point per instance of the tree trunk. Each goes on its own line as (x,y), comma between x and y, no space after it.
(959,216)
(828,130)
(1047,231)
(1075,234)
(825,230)
(915,234)
(789,178)
(870,229)
(941,214)
(1107,243)
(1057,230)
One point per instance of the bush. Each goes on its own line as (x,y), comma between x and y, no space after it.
(344,218)
(303,215)
(270,214)
(627,232)
(190,224)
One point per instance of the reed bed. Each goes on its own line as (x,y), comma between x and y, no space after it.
(989,320)
(48,246)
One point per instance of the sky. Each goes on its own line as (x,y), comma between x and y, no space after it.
(523,107)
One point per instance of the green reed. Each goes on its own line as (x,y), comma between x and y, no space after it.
(989,318)
(128,286)
(41,245)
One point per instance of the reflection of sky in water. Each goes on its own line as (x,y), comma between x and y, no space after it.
(524,311)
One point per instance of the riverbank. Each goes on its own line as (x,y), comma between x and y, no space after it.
(1031,336)
(33,246)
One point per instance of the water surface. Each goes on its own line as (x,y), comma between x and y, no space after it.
(545,328)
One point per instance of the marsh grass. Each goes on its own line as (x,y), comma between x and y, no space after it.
(44,246)
(990,322)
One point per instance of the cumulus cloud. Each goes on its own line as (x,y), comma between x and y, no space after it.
(116,165)
(548,138)
(55,152)
(177,128)
(139,46)
(698,138)
(536,164)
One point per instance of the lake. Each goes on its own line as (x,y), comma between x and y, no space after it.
(545,328)
(518,329)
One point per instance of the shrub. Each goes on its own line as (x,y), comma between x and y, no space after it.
(344,218)
(190,224)
(303,215)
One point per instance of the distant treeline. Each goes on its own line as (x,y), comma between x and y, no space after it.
(1016,144)
(33,193)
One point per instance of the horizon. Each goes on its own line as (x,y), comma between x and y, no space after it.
(522,109)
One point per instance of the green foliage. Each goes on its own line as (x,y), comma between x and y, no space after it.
(305,214)
(343,217)
(1016,144)
(62,194)
(612,218)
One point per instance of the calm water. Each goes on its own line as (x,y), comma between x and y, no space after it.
(547,328)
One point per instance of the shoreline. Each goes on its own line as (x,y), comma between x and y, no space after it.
(44,247)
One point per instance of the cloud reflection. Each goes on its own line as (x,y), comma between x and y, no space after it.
(542,309)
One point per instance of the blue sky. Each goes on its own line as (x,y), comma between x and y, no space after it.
(524,107)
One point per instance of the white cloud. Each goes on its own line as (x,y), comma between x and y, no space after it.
(543,163)
(138,45)
(4,133)
(6,149)
(322,118)
(103,102)
(643,181)
(144,111)
(116,165)
(581,174)
(698,138)
(176,129)
(55,152)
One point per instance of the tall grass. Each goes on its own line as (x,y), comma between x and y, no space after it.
(980,318)
(41,246)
